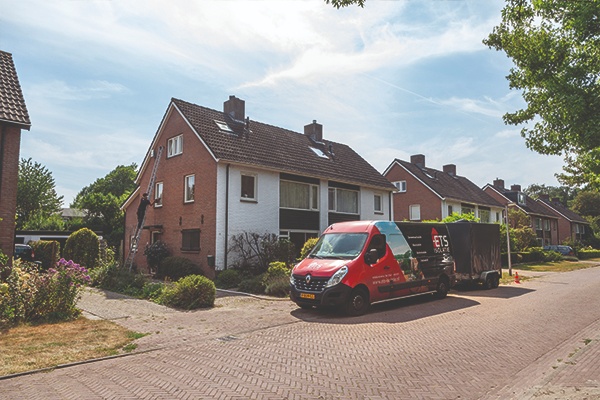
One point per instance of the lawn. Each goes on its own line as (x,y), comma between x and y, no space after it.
(558,266)
(32,347)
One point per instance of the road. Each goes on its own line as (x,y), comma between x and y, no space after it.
(536,340)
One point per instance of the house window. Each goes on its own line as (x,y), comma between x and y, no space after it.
(155,236)
(190,186)
(415,212)
(175,146)
(298,195)
(343,201)
(467,209)
(538,224)
(484,215)
(248,188)
(450,210)
(190,240)
(158,193)
(400,185)
(223,126)
(521,198)
(547,225)
(378,203)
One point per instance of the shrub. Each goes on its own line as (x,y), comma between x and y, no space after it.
(83,247)
(228,279)
(111,276)
(278,286)
(588,253)
(46,251)
(308,246)
(190,292)
(252,285)
(176,268)
(155,254)
(256,251)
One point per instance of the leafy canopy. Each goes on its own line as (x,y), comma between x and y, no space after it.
(555,46)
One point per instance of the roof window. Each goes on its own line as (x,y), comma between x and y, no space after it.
(223,126)
(319,152)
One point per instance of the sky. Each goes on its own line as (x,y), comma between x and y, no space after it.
(390,80)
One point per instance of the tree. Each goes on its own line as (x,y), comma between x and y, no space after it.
(587,203)
(36,194)
(521,234)
(345,3)
(103,199)
(555,46)
(564,193)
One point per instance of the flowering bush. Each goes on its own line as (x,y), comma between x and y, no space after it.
(30,295)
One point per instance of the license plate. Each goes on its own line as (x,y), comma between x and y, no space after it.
(307,296)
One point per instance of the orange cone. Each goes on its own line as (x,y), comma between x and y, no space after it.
(517,279)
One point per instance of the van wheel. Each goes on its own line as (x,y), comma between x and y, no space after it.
(358,303)
(442,289)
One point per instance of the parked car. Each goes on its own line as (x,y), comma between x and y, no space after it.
(24,252)
(564,250)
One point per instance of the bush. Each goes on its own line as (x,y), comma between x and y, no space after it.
(228,279)
(155,254)
(308,246)
(588,253)
(191,292)
(278,286)
(46,251)
(253,285)
(83,247)
(111,276)
(176,268)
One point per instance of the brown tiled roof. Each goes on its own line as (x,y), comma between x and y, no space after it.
(279,149)
(450,186)
(563,211)
(530,207)
(12,103)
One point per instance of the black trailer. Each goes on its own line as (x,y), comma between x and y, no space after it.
(476,252)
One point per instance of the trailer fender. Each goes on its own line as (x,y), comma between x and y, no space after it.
(490,279)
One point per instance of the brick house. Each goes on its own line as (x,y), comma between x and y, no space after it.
(425,193)
(543,221)
(13,119)
(222,174)
(571,226)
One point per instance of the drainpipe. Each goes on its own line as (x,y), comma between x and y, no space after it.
(2,136)
(226,215)
(390,201)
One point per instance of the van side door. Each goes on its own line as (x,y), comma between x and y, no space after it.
(384,271)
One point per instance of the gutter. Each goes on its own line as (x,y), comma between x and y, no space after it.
(226,215)
(2,136)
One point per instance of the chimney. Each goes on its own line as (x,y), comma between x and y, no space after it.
(557,201)
(314,131)
(418,160)
(450,169)
(235,108)
(515,188)
(545,197)
(499,183)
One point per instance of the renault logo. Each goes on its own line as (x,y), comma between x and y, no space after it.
(307,279)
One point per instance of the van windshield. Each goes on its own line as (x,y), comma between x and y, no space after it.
(339,245)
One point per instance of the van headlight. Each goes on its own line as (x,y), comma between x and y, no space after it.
(337,277)
(292,278)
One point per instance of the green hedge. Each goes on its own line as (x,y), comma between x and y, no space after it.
(586,254)
(191,292)
(176,268)
(46,251)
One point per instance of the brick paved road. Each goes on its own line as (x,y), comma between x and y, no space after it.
(537,340)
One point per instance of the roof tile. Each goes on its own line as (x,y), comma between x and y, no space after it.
(12,102)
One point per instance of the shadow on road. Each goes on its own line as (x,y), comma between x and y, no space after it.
(394,311)
(502,292)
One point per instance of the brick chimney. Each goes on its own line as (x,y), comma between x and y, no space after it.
(418,160)
(557,201)
(235,108)
(545,197)
(314,131)
(515,188)
(450,169)
(499,183)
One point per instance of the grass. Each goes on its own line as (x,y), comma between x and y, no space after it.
(31,347)
(558,266)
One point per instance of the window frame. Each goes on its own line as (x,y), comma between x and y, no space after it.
(186,194)
(158,194)
(175,146)
(191,241)
(380,209)
(400,185)
(410,212)
(254,177)
(313,195)
(335,200)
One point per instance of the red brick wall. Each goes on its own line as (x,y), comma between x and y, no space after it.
(416,193)
(175,215)
(8,192)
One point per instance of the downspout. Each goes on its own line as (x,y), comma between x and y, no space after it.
(226,215)
(390,201)
(3,135)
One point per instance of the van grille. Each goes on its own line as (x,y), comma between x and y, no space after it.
(315,285)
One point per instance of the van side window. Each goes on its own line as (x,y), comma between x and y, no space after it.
(378,243)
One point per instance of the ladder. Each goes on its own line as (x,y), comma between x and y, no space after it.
(134,245)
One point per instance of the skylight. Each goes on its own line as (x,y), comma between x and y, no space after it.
(223,126)
(319,152)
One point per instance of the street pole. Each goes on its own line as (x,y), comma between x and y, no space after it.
(508,242)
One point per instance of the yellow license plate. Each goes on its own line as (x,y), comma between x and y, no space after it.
(307,296)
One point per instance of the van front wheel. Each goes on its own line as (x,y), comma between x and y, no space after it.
(358,303)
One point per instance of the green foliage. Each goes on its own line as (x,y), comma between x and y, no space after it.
(38,220)
(345,3)
(228,279)
(111,276)
(555,48)
(308,246)
(455,216)
(155,253)
(277,279)
(36,193)
(176,268)
(83,246)
(190,292)
(564,193)
(587,203)
(46,251)
(522,235)
(585,254)
(256,251)
(253,285)
(29,295)
(102,201)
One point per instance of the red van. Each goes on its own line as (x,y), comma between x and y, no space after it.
(355,264)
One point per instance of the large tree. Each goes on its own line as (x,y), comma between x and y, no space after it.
(102,201)
(555,46)
(36,193)
(345,3)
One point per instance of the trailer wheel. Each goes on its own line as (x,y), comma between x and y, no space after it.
(358,302)
(442,288)
(492,281)
(495,281)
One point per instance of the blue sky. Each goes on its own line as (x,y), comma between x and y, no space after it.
(393,79)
